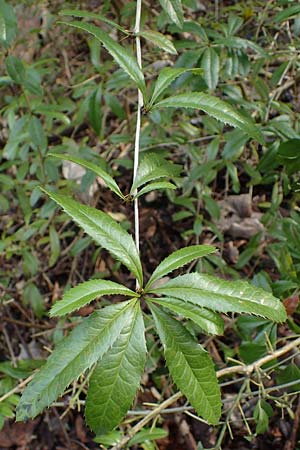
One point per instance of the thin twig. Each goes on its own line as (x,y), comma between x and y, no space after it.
(233,406)
(16,389)
(138,126)
(184,408)
(146,419)
(248,369)
(291,443)
(9,346)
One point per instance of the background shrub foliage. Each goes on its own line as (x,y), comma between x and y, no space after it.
(207,123)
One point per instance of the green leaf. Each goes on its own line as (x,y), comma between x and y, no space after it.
(33,297)
(208,320)
(214,107)
(54,246)
(237,42)
(289,150)
(119,53)
(152,167)
(37,134)
(165,78)
(109,439)
(148,434)
(95,110)
(8,23)
(210,63)
(85,345)
(32,82)
(156,185)
(51,113)
(109,181)
(84,293)
(261,414)
(104,230)
(224,296)
(279,73)
(287,13)
(289,374)
(173,9)
(90,15)
(116,377)
(159,40)
(190,366)
(178,259)
(2,27)
(235,143)
(15,69)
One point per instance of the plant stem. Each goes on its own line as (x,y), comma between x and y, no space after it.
(146,419)
(138,126)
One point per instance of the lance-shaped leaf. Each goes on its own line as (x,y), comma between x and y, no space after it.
(209,321)
(37,134)
(210,63)
(109,181)
(8,23)
(178,259)
(159,40)
(85,345)
(15,69)
(116,377)
(287,13)
(166,77)
(153,167)
(214,107)
(84,293)
(104,230)
(190,366)
(91,15)
(119,53)
(173,9)
(224,296)
(154,186)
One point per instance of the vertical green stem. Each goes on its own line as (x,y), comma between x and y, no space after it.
(138,125)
